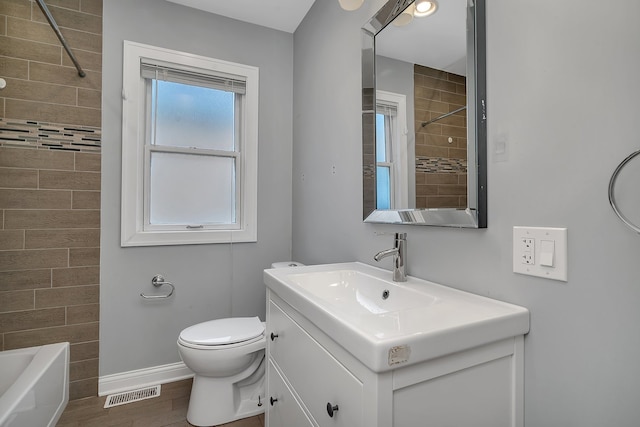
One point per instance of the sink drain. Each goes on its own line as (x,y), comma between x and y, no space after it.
(385,294)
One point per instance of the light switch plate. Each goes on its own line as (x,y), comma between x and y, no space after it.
(527,256)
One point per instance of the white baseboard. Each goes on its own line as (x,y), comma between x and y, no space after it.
(140,378)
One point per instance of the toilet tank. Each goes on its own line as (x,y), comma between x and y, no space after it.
(285,264)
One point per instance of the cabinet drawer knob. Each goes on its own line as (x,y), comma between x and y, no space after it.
(272,400)
(273,336)
(331,409)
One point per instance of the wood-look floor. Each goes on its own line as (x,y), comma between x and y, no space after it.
(167,410)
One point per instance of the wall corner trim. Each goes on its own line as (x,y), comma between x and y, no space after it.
(131,380)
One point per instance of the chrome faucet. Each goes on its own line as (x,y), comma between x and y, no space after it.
(399,252)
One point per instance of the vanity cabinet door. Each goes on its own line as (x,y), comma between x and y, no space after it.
(332,394)
(283,409)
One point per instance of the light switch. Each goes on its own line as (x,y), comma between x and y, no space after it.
(547,248)
(540,251)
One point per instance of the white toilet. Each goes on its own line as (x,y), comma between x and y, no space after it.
(227,358)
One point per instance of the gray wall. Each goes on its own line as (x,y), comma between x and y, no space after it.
(396,76)
(563,90)
(212,281)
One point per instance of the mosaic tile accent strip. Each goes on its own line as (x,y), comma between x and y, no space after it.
(440,165)
(49,136)
(368,171)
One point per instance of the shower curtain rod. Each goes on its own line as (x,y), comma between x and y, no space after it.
(54,26)
(443,116)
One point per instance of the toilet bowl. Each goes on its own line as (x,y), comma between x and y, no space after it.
(227,358)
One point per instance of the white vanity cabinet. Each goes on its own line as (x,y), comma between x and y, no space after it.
(284,409)
(307,371)
(315,376)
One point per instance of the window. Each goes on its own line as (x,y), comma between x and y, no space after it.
(189,149)
(385,117)
(391,151)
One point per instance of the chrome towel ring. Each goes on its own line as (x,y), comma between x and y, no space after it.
(157,281)
(612,199)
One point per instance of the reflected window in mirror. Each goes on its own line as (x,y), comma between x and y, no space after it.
(384,160)
(391,150)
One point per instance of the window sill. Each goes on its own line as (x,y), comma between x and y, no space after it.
(193,237)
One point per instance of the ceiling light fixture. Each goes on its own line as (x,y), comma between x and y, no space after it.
(425,8)
(350,4)
(405,17)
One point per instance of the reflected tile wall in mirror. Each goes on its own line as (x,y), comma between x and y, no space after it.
(441,146)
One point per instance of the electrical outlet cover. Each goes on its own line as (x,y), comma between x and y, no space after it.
(525,262)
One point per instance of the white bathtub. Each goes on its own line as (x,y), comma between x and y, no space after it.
(34,385)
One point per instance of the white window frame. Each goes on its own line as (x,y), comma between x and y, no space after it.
(134,194)
(399,147)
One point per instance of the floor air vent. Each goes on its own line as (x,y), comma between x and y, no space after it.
(132,396)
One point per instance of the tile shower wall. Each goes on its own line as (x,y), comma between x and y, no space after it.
(441,147)
(50,182)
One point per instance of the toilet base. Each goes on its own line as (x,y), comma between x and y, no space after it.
(217,401)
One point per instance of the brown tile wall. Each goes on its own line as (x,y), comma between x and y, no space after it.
(50,182)
(441,147)
(42,83)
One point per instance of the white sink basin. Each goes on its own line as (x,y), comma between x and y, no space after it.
(417,321)
(358,293)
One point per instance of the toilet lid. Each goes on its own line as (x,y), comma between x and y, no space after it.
(223,331)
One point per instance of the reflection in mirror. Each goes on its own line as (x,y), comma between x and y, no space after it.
(424,115)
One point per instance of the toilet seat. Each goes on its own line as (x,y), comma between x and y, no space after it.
(223,333)
(259,339)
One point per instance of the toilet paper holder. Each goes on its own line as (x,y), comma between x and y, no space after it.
(158,281)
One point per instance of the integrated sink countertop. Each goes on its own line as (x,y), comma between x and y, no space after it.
(417,321)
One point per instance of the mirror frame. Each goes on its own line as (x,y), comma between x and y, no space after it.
(475,215)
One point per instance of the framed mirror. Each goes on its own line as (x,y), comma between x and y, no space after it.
(424,113)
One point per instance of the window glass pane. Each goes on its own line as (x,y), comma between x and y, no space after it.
(381,142)
(383,182)
(192,190)
(192,116)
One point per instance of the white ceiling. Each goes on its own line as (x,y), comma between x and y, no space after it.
(437,41)
(283,15)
